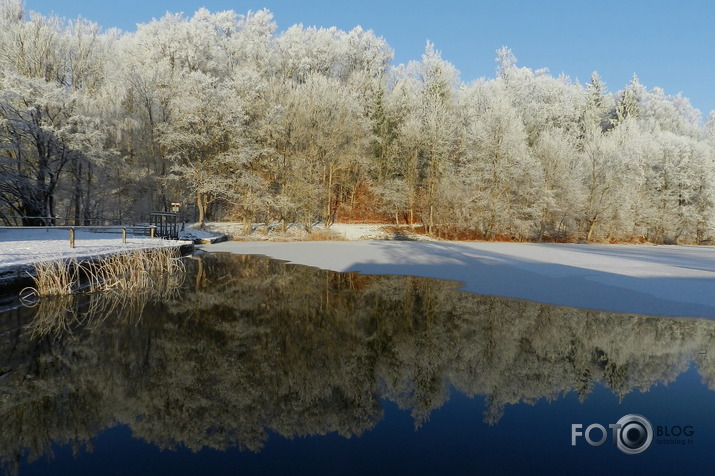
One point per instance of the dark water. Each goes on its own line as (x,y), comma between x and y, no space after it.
(251,366)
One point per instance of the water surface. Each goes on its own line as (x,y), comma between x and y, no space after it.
(248,365)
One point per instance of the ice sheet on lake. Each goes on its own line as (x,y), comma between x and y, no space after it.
(658,280)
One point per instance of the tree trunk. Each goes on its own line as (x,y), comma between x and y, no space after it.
(201,208)
(247,223)
(77,191)
(591,228)
(430,226)
(328,196)
(87,211)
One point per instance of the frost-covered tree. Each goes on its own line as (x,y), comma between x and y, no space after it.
(597,107)
(51,70)
(249,42)
(327,132)
(204,139)
(610,173)
(544,102)
(562,198)
(505,181)
(43,130)
(677,189)
(660,112)
(628,103)
(438,133)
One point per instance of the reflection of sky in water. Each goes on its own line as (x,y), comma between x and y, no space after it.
(530,350)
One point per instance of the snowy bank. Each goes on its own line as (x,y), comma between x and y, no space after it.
(297,232)
(20,248)
(658,280)
(199,236)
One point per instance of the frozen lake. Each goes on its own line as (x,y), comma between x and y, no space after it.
(249,365)
(657,280)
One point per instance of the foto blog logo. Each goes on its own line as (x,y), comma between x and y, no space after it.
(632,434)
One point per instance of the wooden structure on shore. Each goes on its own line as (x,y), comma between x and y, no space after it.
(165,224)
(149,231)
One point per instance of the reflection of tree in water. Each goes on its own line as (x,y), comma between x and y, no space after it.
(250,345)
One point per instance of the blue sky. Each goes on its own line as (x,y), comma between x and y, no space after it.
(669,44)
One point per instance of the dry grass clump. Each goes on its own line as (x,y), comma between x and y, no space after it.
(126,271)
(131,270)
(57,277)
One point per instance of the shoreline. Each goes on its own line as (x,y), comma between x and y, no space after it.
(16,277)
(672,281)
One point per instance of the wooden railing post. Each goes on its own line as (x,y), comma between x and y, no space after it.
(71,237)
(124,235)
(152,231)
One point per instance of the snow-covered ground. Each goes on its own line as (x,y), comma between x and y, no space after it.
(23,247)
(297,232)
(659,280)
(359,232)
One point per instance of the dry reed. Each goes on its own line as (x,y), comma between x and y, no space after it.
(127,271)
(132,270)
(52,278)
